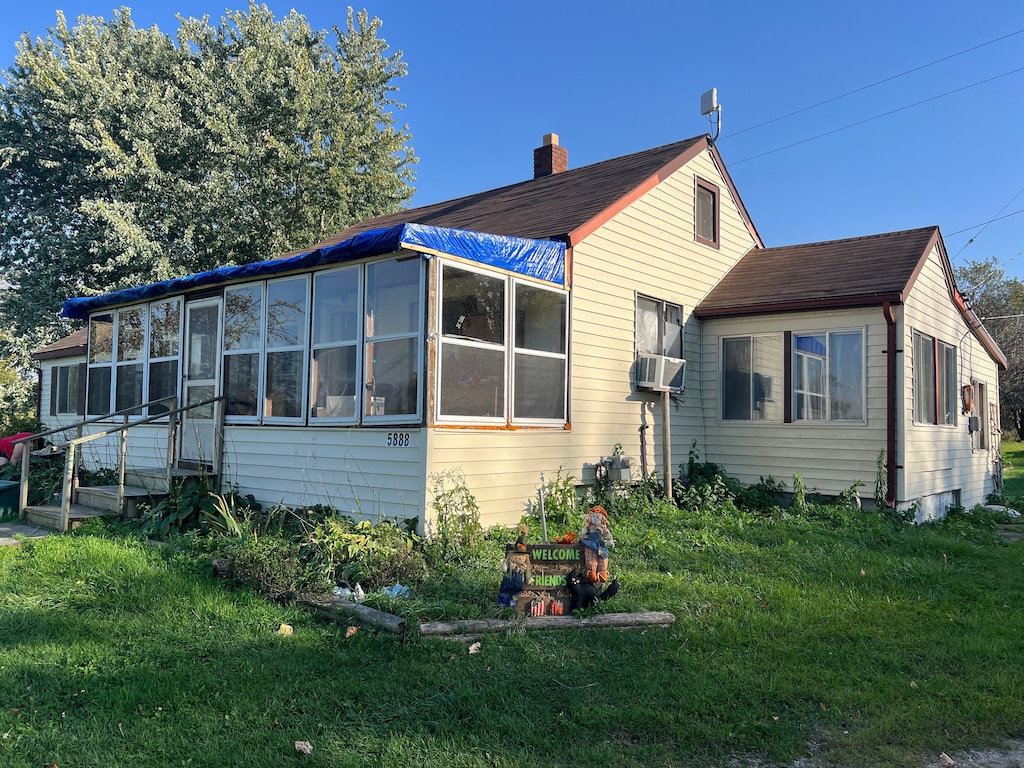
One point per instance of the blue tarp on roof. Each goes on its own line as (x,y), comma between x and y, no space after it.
(541,259)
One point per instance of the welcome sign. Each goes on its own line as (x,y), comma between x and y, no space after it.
(545,592)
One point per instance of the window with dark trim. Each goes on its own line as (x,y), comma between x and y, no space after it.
(706,198)
(935,390)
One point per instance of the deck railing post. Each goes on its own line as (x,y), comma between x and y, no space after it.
(121,467)
(69,474)
(23,488)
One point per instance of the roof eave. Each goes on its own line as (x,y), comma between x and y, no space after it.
(802,305)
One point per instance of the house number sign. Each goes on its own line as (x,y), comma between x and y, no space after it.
(398,439)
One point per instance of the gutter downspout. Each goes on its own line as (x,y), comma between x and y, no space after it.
(890,405)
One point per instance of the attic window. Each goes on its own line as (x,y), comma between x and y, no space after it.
(706,219)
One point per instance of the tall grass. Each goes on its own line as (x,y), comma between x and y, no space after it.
(853,637)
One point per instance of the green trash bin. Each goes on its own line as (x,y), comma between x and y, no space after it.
(9,498)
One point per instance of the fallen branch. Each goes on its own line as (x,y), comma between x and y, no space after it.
(333,607)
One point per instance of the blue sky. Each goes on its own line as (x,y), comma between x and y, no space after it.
(486,81)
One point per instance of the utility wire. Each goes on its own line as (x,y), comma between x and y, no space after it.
(872,85)
(987,223)
(878,117)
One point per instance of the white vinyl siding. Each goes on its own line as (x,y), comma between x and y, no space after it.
(830,455)
(939,461)
(647,249)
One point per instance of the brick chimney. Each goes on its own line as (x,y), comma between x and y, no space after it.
(550,158)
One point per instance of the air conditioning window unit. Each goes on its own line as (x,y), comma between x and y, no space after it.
(660,373)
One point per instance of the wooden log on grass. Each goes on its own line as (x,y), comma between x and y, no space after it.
(333,607)
(474,627)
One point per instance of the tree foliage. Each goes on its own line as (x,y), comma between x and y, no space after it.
(129,156)
(999,302)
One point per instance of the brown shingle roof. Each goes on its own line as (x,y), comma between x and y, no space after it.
(860,271)
(549,207)
(75,344)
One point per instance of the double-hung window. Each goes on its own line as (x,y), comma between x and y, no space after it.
(935,389)
(659,327)
(752,374)
(828,376)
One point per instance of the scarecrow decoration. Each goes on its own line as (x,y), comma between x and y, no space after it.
(596,537)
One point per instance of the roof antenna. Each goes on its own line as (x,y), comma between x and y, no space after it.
(708,104)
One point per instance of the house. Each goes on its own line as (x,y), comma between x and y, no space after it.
(532,328)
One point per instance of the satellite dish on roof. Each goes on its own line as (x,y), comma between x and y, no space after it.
(709,106)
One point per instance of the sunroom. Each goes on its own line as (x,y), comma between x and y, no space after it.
(396,329)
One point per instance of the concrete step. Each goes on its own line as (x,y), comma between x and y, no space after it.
(48,516)
(104,497)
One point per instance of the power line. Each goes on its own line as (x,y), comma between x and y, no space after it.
(872,85)
(986,223)
(878,117)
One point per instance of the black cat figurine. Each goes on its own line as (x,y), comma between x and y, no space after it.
(584,594)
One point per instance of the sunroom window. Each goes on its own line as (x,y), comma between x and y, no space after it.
(164,345)
(540,361)
(337,316)
(286,348)
(101,356)
(502,349)
(394,322)
(472,345)
(243,319)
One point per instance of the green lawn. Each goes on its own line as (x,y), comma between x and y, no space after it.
(880,643)
(1013,470)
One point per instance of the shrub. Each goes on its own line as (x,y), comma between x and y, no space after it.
(273,566)
(456,531)
(374,555)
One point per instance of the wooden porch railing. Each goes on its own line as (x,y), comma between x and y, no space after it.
(174,417)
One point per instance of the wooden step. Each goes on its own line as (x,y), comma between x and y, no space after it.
(155,479)
(104,497)
(48,516)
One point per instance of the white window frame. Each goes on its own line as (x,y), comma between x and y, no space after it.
(115,364)
(828,417)
(356,340)
(509,349)
(257,350)
(514,350)
(65,397)
(416,334)
(301,346)
(473,343)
